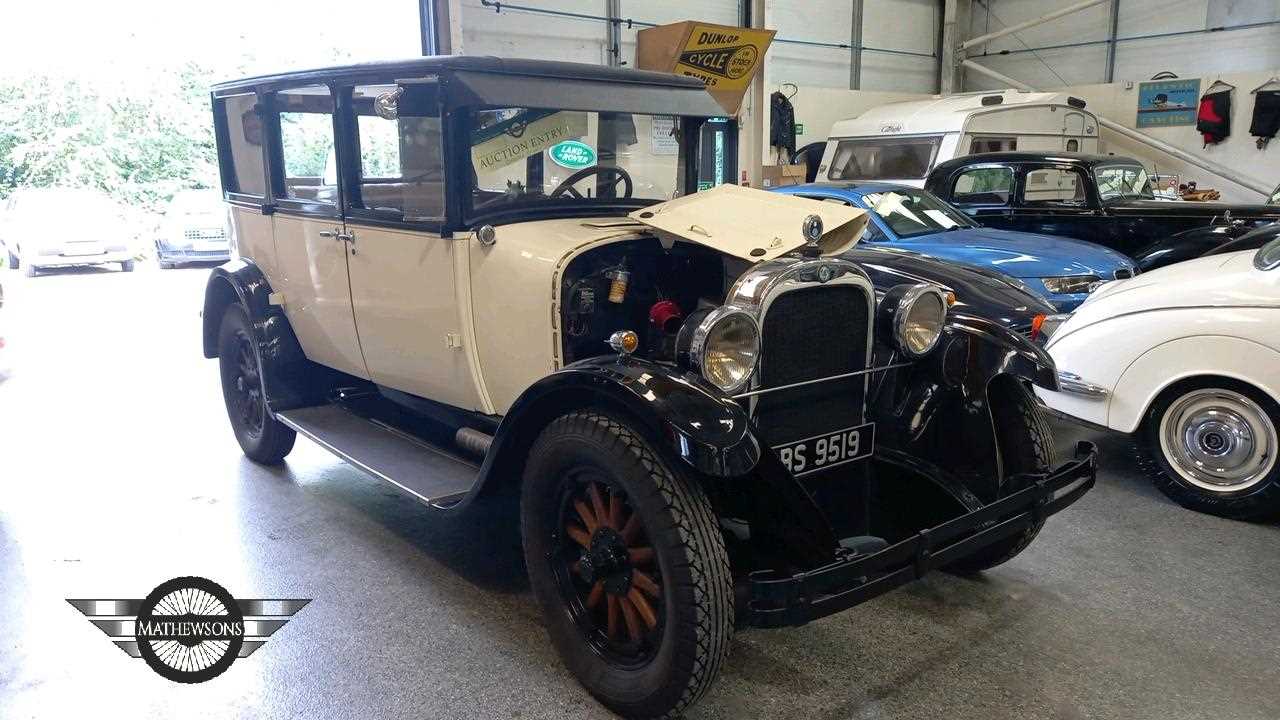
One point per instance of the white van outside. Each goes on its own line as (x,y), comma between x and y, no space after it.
(902,142)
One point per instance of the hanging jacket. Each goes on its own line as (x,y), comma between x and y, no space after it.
(1213,120)
(782,123)
(1266,116)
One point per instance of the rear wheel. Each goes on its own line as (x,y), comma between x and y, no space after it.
(1214,442)
(1026,446)
(13,261)
(262,438)
(626,559)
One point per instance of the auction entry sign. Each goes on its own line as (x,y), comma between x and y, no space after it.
(1168,102)
(505,139)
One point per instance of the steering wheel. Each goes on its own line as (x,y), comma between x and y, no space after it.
(566,186)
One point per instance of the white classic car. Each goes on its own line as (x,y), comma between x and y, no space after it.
(1187,358)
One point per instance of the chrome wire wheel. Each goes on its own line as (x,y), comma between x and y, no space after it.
(607,571)
(1218,440)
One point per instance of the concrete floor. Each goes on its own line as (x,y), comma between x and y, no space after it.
(118,471)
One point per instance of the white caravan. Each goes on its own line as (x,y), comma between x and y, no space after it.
(902,142)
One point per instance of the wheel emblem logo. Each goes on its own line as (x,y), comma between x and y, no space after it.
(189,629)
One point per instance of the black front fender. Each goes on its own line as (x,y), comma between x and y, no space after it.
(994,349)
(701,425)
(938,411)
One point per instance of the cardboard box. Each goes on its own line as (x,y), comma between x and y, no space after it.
(724,57)
(772,176)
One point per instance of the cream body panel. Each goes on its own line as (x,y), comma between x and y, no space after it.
(753,225)
(252,238)
(317,294)
(409,313)
(514,298)
(1136,356)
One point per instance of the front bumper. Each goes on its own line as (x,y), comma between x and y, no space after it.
(169,254)
(776,601)
(45,261)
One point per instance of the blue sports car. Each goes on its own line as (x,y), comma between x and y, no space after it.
(1062,270)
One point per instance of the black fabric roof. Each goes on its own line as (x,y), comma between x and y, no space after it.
(418,67)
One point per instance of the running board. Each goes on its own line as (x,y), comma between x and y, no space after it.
(429,473)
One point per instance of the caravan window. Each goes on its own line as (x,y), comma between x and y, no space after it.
(992,144)
(884,158)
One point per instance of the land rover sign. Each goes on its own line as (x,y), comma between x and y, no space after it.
(573,154)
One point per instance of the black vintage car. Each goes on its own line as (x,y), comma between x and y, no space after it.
(1105,199)
(972,290)
(704,414)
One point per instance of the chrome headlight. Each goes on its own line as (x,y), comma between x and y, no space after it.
(1071,284)
(726,347)
(915,316)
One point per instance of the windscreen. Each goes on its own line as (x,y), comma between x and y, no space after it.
(528,156)
(1123,182)
(883,158)
(913,213)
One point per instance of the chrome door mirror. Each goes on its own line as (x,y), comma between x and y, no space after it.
(387,105)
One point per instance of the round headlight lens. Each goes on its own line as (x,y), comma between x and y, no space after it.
(918,319)
(730,351)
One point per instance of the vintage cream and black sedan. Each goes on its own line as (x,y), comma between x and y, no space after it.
(482,279)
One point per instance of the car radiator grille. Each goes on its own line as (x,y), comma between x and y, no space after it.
(812,333)
(205,234)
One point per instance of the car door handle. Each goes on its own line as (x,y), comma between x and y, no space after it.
(349,239)
(328,233)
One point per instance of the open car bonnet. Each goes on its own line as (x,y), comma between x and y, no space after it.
(753,224)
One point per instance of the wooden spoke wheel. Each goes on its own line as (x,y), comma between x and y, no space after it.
(626,558)
(608,572)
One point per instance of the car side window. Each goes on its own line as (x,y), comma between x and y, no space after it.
(1053,186)
(983,186)
(310,170)
(401,157)
(241,132)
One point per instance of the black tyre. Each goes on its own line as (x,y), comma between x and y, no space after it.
(14,262)
(1026,446)
(1213,444)
(627,561)
(127,265)
(263,438)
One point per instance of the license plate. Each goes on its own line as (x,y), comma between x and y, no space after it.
(78,250)
(827,450)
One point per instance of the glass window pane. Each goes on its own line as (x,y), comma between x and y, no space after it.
(306,139)
(883,158)
(984,186)
(401,160)
(1053,186)
(244,136)
(529,154)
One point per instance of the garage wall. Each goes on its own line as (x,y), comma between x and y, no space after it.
(1119,103)
(1186,55)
